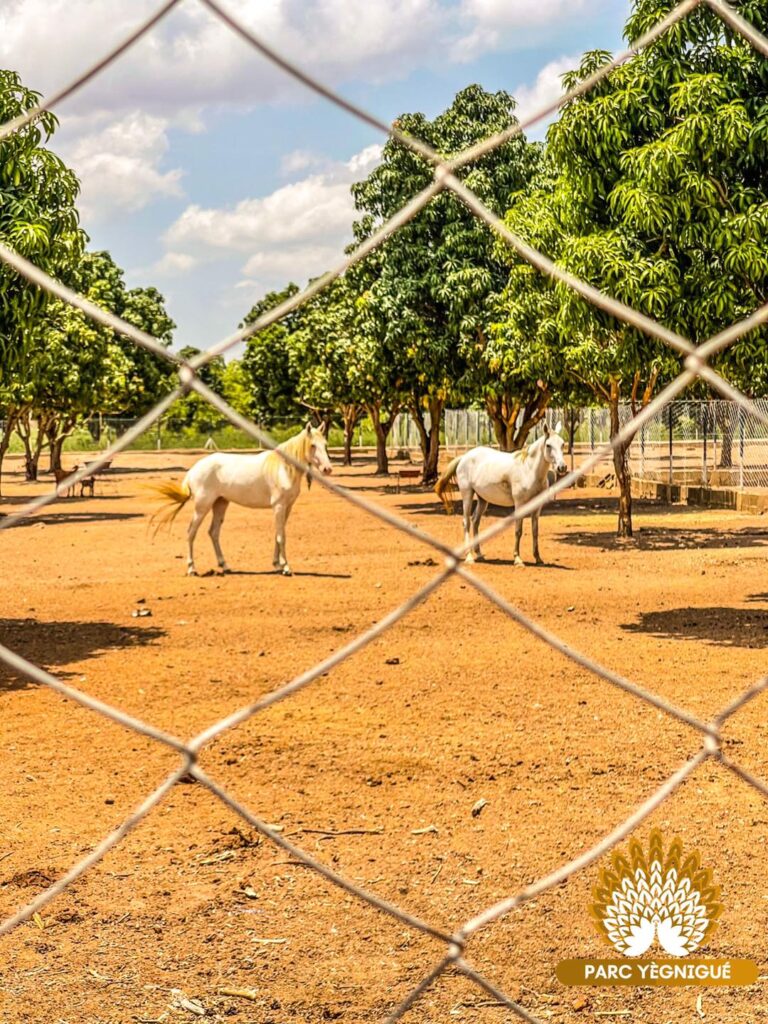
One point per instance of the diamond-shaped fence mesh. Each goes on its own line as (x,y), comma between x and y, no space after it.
(648,422)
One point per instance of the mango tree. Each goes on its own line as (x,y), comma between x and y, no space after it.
(39,220)
(437,273)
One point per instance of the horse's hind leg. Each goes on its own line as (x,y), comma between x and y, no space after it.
(280,560)
(219,511)
(466,505)
(480,509)
(197,517)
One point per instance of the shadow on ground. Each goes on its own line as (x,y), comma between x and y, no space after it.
(725,627)
(663,538)
(62,643)
(63,517)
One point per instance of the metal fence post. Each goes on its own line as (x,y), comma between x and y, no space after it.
(642,452)
(741,449)
(671,448)
(705,431)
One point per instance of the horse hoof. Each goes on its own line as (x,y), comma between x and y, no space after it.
(224,570)
(520,562)
(191,571)
(287,571)
(479,558)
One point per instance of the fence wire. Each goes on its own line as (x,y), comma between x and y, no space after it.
(695,365)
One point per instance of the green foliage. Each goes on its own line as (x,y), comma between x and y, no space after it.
(37,216)
(436,273)
(193,416)
(271,374)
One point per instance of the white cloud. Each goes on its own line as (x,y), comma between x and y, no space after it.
(174,264)
(119,165)
(547,88)
(191,60)
(515,24)
(296,232)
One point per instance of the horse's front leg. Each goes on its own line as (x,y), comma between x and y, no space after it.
(518,537)
(480,510)
(535,532)
(280,560)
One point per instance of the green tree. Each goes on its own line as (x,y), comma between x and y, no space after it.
(102,371)
(660,199)
(192,411)
(39,220)
(438,273)
(272,375)
(72,368)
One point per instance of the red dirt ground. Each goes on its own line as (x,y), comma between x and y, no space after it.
(454,704)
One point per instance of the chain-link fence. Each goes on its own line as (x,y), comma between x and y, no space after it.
(453,945)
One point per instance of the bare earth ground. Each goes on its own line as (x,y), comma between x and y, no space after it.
(455,704)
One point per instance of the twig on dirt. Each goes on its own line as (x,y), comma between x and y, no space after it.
(239,993)
(476,1006)
(698,1005)
(330,834)
(4,855)
(217,857)
(612,1013)
(268,942)
(101,977)
(424,831)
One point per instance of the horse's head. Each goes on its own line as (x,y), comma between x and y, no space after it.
(318,450)
(553,449)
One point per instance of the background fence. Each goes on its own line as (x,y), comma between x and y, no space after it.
(453,944)
(715,443)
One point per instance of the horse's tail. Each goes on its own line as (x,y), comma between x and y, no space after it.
(444,488)
(176,497)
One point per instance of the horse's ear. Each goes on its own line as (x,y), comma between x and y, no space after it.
(323,428)
(559,426)
(546,429)
(308,427)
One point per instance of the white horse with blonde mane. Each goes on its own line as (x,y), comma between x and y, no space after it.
(264,480)
(509,479)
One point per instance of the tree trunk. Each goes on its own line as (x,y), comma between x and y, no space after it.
(725,416)
(9,424)
(351,416)
(429,440)
(56,447)
(621,465)
(504,412)
(381,427)
(31,451)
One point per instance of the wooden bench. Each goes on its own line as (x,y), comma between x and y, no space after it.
(407,474)
(89,482)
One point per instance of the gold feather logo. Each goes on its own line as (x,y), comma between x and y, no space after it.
(658,895)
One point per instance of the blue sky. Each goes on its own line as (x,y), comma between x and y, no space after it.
(208,173)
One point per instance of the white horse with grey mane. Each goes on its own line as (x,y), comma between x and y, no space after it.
(509,479)
(263,480)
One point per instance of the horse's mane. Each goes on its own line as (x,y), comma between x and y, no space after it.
(297,447)
(529,449)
